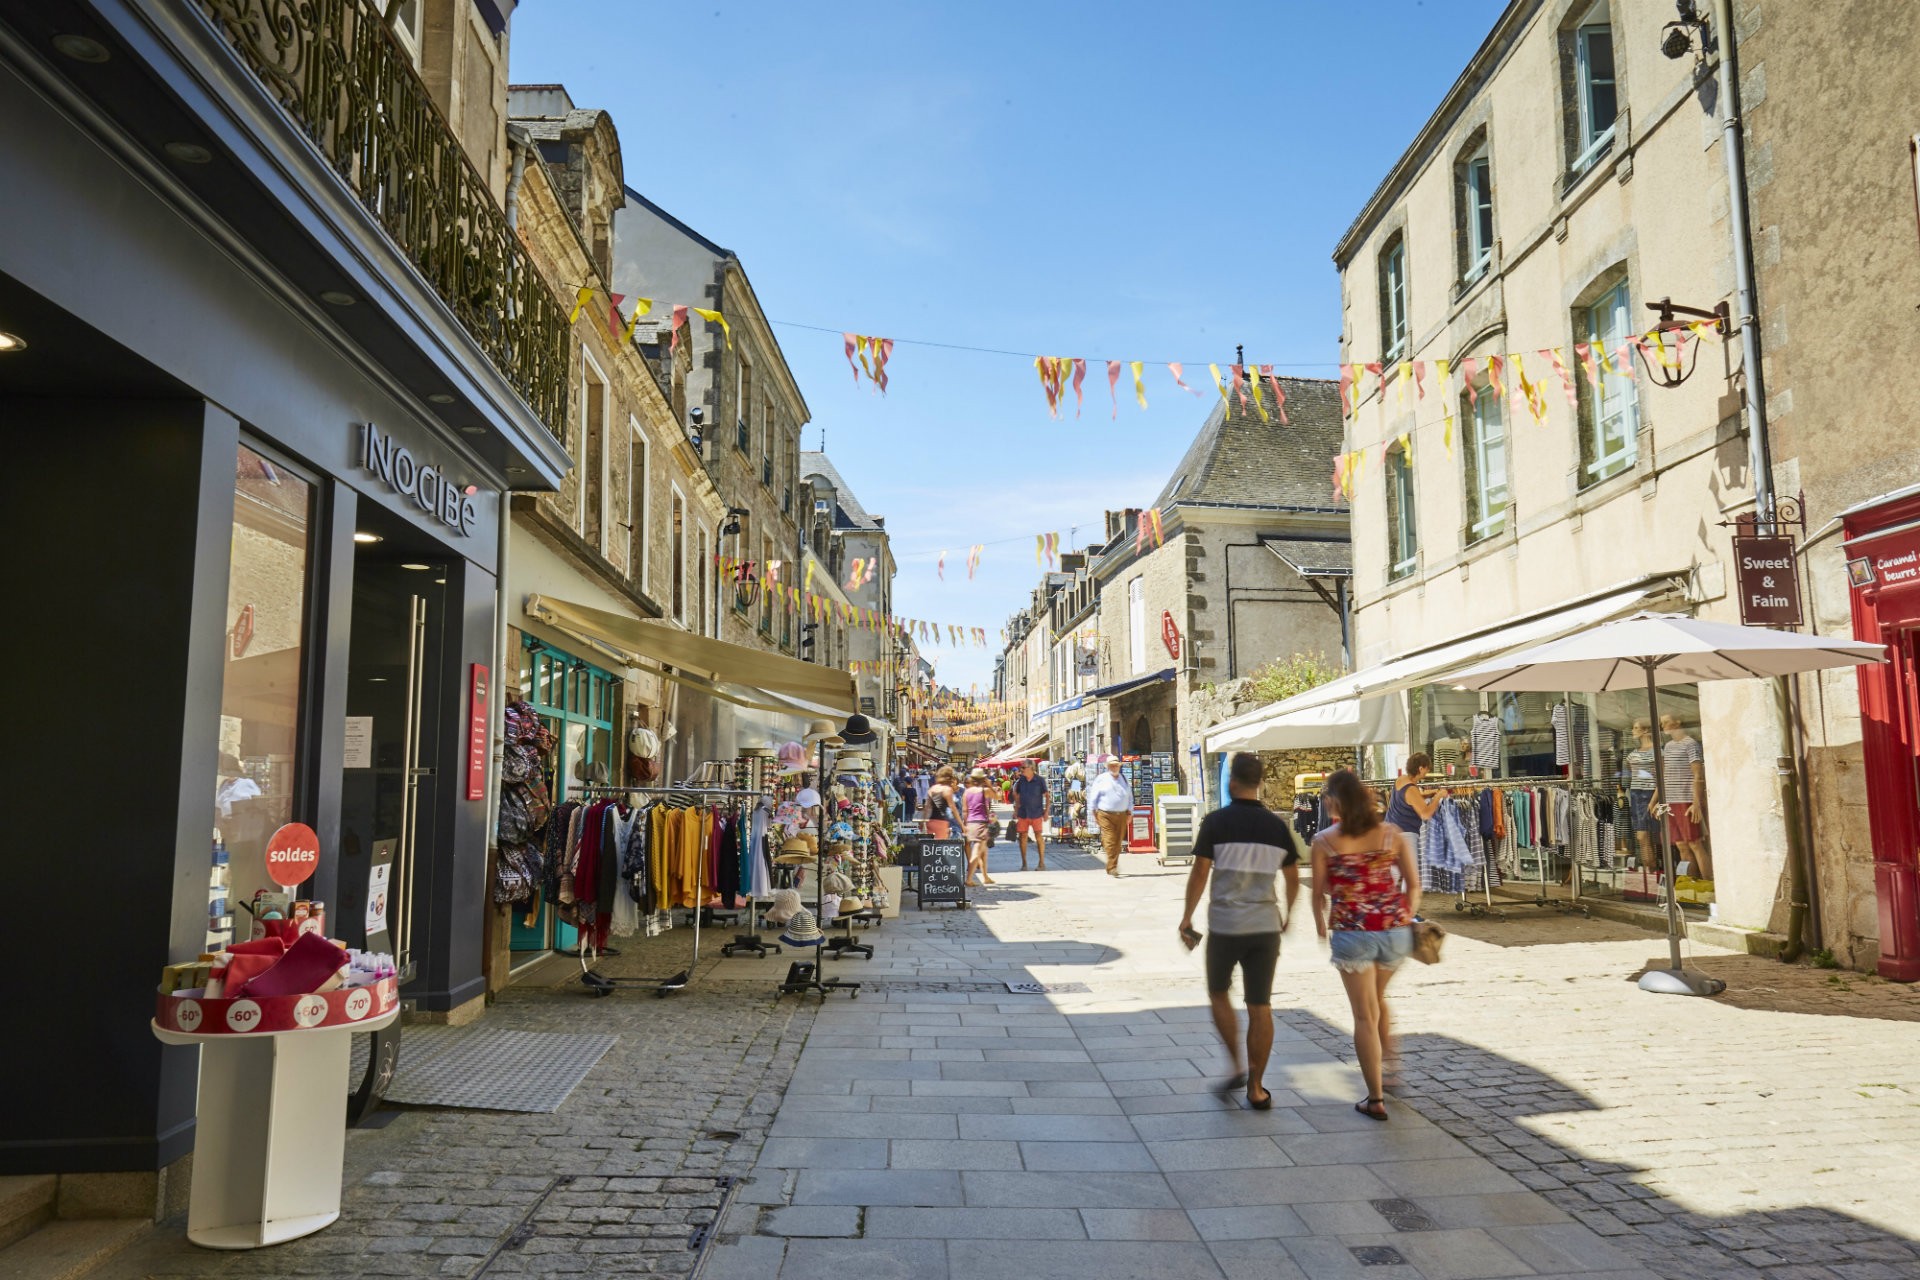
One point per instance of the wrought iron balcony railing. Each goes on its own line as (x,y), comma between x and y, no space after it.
(349,84)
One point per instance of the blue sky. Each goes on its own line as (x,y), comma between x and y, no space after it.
(1104,180)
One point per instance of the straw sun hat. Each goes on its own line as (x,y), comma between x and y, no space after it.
(802,930)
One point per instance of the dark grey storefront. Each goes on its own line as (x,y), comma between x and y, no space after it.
(233,606)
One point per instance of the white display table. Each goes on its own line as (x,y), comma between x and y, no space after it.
(271,1140)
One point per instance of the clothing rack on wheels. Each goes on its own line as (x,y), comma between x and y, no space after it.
(601,985)
(1463,901)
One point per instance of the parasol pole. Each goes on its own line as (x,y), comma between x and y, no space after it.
(1674,980)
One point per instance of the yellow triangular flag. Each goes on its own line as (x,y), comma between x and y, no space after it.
(640,307)
(718,319)
(580,300)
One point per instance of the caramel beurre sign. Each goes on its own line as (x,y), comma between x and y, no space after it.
(1769,584)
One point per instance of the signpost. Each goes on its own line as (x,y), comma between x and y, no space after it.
(1769,584)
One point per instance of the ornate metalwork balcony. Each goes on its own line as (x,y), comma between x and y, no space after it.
(349,84)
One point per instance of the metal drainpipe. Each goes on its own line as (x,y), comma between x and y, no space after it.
(513,182)
(1759,448)
(1746,311)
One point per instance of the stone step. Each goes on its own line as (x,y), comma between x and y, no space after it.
(26,1203)
(69,1249)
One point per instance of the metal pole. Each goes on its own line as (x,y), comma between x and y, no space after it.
(1666,831)
(1733,148)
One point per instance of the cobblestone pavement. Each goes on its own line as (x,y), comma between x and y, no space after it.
(1551,1119)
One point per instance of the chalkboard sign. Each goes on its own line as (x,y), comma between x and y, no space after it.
(943,873)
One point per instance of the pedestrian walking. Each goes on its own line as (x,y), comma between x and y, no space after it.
(976,806)
(1366,891)
(922,784)
(1030,812)
(1241,849)
(942,803)
(903,793)
(1111,801)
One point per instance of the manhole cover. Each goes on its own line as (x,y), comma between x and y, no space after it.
(1405,1215)
(1046,988)
(1376,1255)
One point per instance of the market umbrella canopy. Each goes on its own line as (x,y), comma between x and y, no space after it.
(1643,652)
(1677,649)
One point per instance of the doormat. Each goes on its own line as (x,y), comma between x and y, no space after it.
(1047,988)
(493,1070)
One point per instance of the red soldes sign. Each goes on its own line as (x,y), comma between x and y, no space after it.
(293,855)
(1170,634)
(477,735)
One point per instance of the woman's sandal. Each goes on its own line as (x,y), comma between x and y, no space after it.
(1372,1108)
(1234,1083)
(1263,1104)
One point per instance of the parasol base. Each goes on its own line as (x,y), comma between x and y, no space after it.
(1680,982)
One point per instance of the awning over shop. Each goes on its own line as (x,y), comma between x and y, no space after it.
(745,676)
(1128,686)
(1069,704)
(1431,666)
(916,747)
(1025,749)
(1357,722)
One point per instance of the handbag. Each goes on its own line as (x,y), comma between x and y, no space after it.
(1427,940)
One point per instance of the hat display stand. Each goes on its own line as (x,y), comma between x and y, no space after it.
(853,775)
(804,976)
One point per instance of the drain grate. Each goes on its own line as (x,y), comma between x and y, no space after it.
(1377,1255)
(1405,1215)
(1048,988)
(696,1204)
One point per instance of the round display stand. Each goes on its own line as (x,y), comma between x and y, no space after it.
(271,1141)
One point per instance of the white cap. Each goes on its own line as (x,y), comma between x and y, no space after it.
(808,798)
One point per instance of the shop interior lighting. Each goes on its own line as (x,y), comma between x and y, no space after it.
(441,397)
(12,342)
(422,568)
(337,298)
(81,49)
(473,431)
(188,152)
(366,537)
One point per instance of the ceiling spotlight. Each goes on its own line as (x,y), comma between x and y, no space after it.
(188,152)
(441,397)
(365,538)
(336,298)
(12,342)
(81,49)
(473,431)
(421,568)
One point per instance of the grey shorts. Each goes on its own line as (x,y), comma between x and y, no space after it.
(1358,950)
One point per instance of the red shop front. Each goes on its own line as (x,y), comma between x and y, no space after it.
(1883,568)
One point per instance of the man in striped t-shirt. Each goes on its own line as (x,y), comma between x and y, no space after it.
(1242,847)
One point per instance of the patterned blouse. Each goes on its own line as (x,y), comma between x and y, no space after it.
(1364,888)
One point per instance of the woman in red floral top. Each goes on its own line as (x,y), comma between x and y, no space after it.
(1366,890)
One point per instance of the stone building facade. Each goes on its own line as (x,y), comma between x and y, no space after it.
(1832,204)
(1490,237)
(840,531)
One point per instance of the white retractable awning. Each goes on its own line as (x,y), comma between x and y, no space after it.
(1428,666)
(1357,722)
(746,677)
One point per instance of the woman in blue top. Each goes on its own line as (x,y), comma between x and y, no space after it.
(1408,808)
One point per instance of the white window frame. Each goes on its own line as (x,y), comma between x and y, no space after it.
(1477,195)
(1615,401)
(1395,333)
(1593,141)
(1137,622)
(1402,513)
(677,512)
(586,445)
(1489,522)
(640,484)
(409,36)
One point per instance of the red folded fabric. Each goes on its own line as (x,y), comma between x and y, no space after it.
(243,968)
(309,962)
(275,947)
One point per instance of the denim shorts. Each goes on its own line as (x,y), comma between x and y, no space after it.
(1357,950)
(1643,820)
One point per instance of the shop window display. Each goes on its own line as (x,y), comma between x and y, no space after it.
(260,690)
(1584,765)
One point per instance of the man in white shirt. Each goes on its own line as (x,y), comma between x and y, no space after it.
(1110,800)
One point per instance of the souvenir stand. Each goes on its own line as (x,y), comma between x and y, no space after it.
(803,976)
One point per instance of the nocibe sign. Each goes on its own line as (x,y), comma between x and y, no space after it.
(450,503)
